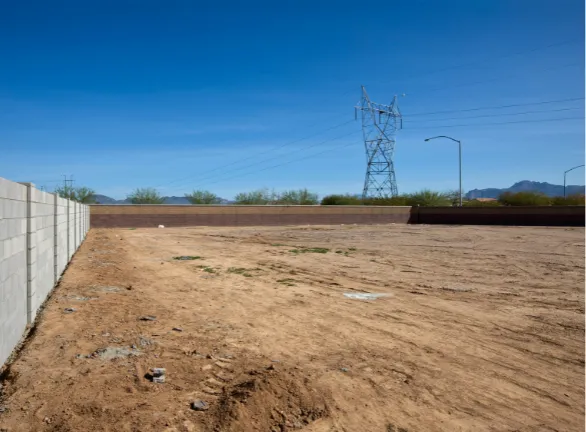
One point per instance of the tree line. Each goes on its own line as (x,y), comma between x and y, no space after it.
(423,198)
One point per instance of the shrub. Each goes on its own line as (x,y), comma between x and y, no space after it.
(426,198)
(298,197)
(202,197)
(574,199)
(477,203)
(145,196)
(259,196)
(524,199)
(346,199)
(264,196)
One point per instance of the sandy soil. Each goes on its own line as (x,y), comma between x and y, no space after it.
(482,329)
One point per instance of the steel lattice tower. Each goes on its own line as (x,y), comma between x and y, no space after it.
(379,124)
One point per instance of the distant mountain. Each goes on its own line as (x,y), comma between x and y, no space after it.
(175,200)
(103,199)
(526,186)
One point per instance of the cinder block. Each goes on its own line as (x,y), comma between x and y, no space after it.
(12,190)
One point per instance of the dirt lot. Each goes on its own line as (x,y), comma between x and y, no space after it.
(482,329)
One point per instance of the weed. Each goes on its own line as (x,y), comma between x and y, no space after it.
(187,258)
(352,249)
(309,250)
(206,268)
(278,244)
(242,271)
(287,281)
(339,252)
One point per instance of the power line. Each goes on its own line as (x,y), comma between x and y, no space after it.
(353,143)
(257,154)
(499,123)
(290,161)
(496,107)
(295,151)
(499,115)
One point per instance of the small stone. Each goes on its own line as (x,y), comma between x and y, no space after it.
(47,420)
(199,405)
(344,369)
(271,367)
(148,318)
(159,379)
(69,310)
(178,329)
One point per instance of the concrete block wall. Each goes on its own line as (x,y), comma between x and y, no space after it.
(13,265)
(41,262)
(39,233)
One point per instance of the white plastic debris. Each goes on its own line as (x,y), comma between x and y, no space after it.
(158,375)
(161,226)
(365,296)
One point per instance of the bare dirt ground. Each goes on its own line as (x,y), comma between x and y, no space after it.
(482,330)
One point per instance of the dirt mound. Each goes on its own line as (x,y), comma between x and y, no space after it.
(269,400)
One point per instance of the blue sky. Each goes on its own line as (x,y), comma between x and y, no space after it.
(227,96)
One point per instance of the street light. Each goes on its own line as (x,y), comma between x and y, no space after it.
(459,158)
(565,172)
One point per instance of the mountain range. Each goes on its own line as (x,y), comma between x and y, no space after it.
(527,186)
(522,186)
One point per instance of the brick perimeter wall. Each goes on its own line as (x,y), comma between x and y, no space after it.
(139,216)
(182,216)
(512,216)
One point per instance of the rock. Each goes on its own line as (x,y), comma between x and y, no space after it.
(199,405)
(148,318)
(69,310)
(344,369)
(178,329)
(159,379)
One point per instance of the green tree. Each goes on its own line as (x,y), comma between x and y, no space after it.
(202,197)
(85,195)
(66,191)
(145,196)
(298,197)
(81,194)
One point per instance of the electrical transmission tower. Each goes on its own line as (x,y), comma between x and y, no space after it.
(379,124)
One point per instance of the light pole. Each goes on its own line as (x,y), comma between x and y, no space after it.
(566,172)
(459,158)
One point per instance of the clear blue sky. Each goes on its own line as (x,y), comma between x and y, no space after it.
(184,94)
